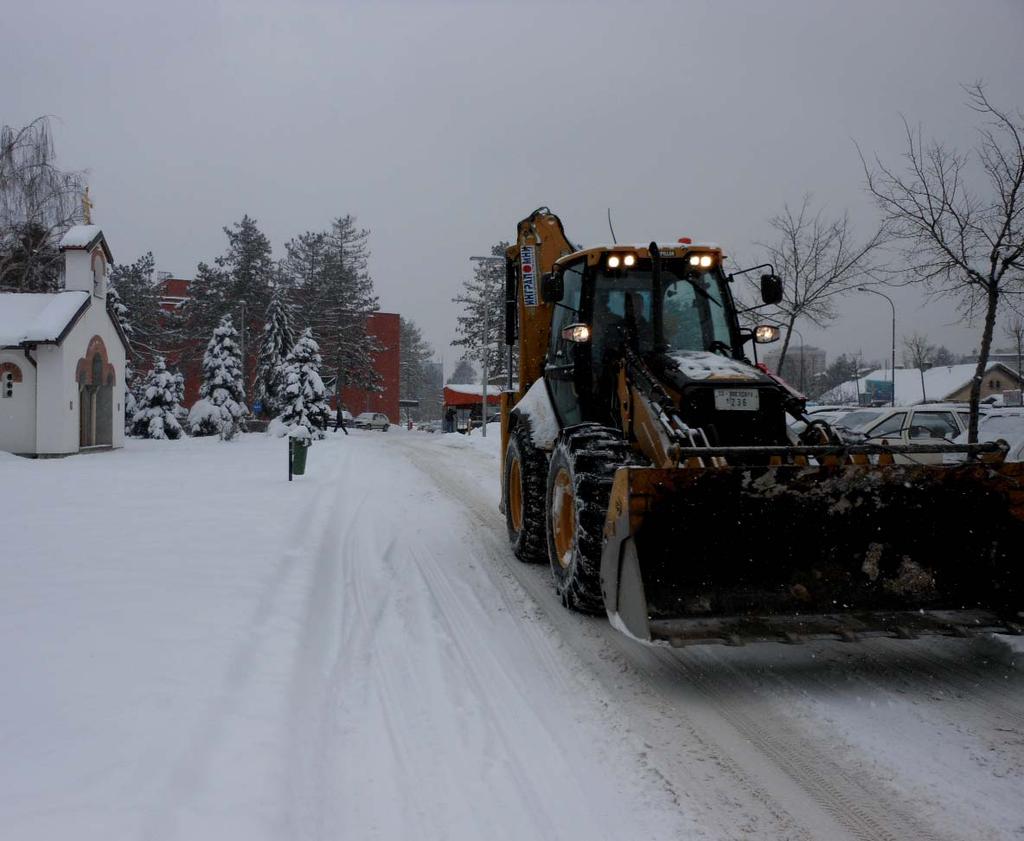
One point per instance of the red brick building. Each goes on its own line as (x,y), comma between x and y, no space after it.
(382,326)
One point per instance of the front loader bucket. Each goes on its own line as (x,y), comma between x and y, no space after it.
(730,554)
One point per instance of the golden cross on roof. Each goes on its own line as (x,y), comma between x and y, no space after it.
(86,208)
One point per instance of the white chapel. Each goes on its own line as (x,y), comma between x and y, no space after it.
(62,359)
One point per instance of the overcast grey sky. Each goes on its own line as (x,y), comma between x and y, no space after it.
(440,125)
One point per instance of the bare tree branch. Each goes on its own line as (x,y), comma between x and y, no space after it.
(820,261)
(960,243)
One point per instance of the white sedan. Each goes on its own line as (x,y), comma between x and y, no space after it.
(372,420)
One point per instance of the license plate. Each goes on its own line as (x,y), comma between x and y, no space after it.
(736,399)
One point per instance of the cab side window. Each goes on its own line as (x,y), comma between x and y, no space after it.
(566,312)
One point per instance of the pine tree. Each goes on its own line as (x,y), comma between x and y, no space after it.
(481,325)
(120,312)
(133,287)
(414,361)
(278,340)
(221,407)
(179,396)
(464,372)
(305,400)
(245,272)
(330,273)
(156,415)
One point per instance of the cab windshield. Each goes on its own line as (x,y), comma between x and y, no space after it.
(694,314)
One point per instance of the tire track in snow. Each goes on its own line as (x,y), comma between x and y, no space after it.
(873,813)
(845,689)
(850,797)
(669,716)
(374,586)
(995,688)
(188,774)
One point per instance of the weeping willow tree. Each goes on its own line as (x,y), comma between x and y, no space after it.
(38,202)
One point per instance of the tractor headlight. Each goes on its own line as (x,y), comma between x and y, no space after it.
(629,260)
(576,333)
(706,260)
(694,259)
(766,334)
(613,261)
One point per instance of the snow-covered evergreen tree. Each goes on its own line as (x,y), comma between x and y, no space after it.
(157,410)
(481,325)
(464,372)
(278,340)
(221,407)
(304,397)
(133,286)
(120,311)
(179,395)
(245,272)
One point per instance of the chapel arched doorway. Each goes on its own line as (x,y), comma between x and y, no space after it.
(96,380)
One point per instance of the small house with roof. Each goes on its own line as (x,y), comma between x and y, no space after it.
(62,359)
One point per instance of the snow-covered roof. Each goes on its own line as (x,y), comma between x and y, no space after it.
(477,389)
(939,383)
(37,316)
(85,237)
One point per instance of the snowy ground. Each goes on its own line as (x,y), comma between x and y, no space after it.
(193,648)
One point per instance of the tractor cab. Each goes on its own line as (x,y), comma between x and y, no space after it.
(670,307)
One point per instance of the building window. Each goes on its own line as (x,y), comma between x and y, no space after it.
(7,385)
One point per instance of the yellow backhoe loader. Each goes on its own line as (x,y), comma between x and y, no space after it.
(649,461)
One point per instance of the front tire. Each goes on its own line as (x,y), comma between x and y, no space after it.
(579,487)
(526,469)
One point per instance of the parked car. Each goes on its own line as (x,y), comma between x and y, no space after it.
(372,420)
(998,424)
(926,423)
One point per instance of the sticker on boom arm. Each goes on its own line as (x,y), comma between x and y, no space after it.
(529,276)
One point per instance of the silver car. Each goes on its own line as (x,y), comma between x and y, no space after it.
(372,420)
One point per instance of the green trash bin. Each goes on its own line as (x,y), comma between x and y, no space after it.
(298,448)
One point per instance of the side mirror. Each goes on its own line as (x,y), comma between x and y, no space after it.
(765,334)
(771,288)
(552,288)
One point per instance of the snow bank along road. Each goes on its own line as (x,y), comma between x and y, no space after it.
(193,648)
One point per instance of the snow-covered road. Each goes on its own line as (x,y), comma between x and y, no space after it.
(193,648)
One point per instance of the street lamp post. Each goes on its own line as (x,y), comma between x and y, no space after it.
(892,370)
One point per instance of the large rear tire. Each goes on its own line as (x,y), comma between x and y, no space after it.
(526,469)
(579,487)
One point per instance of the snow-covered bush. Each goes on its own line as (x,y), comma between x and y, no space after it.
(221,409)
(303,394)
(157,408)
